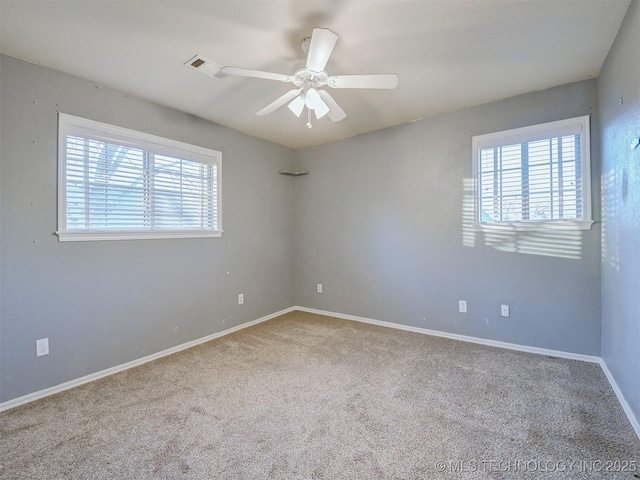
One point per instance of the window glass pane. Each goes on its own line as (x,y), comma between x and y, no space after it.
(183,193)
(540,206)
(487,210)
(540,179)
(511,181)
(487,158)
(511,208)
(541,152)
(569,151)
(510,157)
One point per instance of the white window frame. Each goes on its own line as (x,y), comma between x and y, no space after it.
(71,125)
(577,125)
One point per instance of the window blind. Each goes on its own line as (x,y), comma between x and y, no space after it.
(540,177)
(116,186)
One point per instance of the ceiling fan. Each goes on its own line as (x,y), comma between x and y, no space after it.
(308,81)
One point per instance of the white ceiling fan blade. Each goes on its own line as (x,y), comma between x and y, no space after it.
(382,80)
(297,105)
(245,72)
(290,95)
(335,112)
(322,43)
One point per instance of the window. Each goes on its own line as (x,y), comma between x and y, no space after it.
(535,176)
(115,183)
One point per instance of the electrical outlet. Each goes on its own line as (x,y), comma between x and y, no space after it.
(319,288)
(240,298)
(42,347)
(504,310)
(462,306)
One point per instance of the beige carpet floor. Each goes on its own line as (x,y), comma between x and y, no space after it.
(304,396)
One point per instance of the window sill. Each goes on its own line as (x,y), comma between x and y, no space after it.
(83,236)
(535,226)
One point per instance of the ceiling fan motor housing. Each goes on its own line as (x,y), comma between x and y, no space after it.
(306,78)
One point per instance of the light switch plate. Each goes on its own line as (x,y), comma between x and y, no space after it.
(462,306)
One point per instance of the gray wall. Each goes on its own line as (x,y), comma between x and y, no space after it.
(620,125)
(105,303)
(383,221)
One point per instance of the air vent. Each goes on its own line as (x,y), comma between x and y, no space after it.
(207,67)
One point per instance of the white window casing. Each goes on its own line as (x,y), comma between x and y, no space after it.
(534,177)
(120,184)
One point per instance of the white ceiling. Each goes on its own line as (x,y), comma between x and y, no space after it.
(449,54)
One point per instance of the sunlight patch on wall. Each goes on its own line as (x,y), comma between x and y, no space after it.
(550,243)
(610,240)
(468,213)
(557,242)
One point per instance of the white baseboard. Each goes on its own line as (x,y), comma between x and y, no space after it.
(455,336)
(623,401)
(134,363)
(493,343)
(482,341)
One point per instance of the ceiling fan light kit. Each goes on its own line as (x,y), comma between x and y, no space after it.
(308,80)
